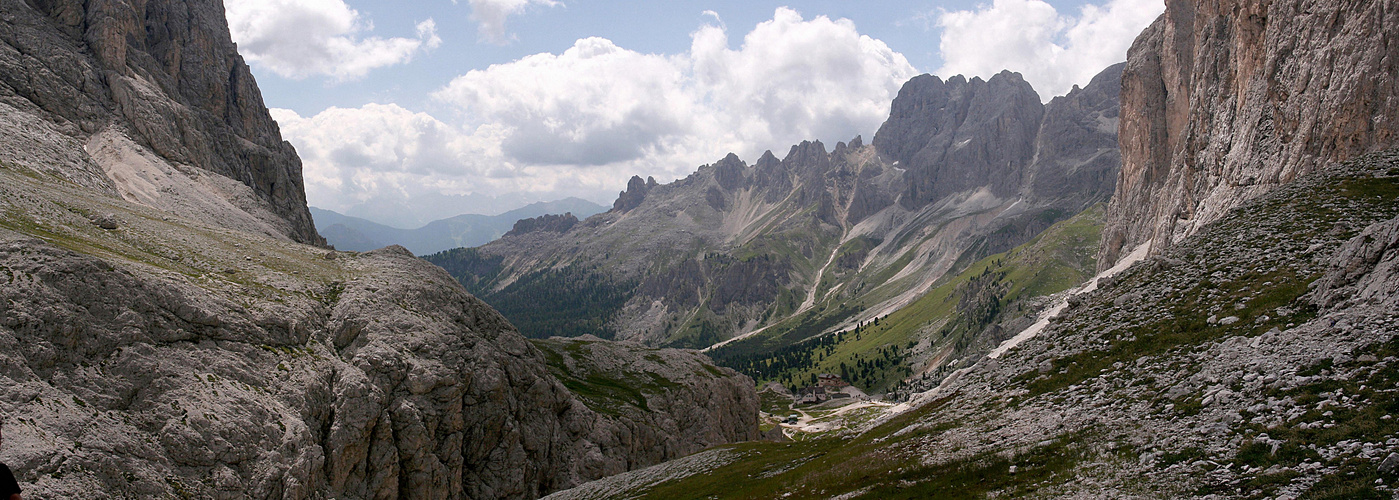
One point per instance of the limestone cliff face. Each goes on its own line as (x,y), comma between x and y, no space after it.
(161,105)
(1223,100)
(958,135)
(961,135)
(1076,154)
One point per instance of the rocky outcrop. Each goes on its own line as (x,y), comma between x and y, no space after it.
(220,364)
(1225,100)
(1364,271)
(655,405)
(158,96)
(544,223)
(634,195)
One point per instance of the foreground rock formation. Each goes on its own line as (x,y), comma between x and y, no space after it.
(164,357)
(1223,101)
(166,332)
(149,100)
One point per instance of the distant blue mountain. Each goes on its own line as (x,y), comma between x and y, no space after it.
(469,230)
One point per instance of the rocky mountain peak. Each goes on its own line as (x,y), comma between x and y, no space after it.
(961,134)
(843,150)
(807,159)
(634,195)
(1076,152)
(730,172)
(771,176)
(767,160)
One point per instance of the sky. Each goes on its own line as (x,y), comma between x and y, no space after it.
(406,112)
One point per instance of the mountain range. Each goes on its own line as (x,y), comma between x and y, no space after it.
(361,235)
(785,250)
(1180,280)
(1240,341)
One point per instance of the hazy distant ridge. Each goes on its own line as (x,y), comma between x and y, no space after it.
(468,230)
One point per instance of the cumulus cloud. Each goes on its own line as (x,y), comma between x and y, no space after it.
(580,122)
(597,103)
(301,38)
(594,104)
(352,155)
(384,154)
(1052,50)
(490,15)
(793,80)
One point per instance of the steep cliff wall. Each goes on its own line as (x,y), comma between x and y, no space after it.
(1076,153)
(160,106)
(1223,100)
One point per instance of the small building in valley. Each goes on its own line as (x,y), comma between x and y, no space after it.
(831,381)
(812,395)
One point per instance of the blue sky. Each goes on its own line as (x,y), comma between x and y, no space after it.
(405,112)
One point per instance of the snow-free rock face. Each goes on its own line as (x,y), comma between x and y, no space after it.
(957,135)
(966,134)
(655,405)
(1076,155)
(1224,100)
(149,100)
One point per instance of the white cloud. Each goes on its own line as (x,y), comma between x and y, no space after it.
(490,15)
(302,38)
(594,104)
(793,80)
(1053,51)
(382,153)
(580,122)
(597,103)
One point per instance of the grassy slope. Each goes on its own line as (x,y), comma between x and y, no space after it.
(1058,259)
(59,213)
(876,464)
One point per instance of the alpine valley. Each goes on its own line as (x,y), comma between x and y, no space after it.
(757,262)
(1178,280)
